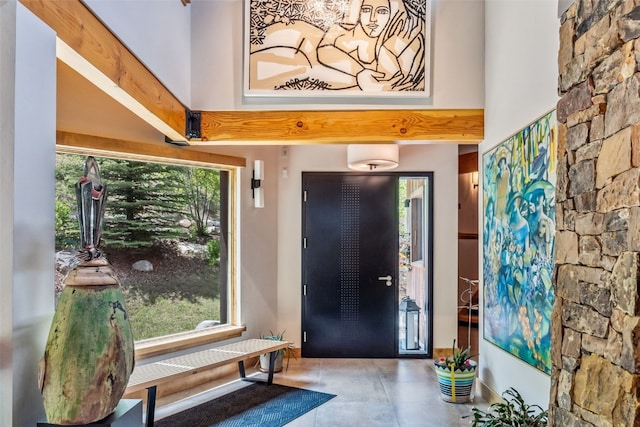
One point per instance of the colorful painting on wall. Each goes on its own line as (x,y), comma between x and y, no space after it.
(337,47)
(519,232)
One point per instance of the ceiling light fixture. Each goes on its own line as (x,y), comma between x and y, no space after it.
(372,157)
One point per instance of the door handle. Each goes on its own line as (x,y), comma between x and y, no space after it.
(387,279)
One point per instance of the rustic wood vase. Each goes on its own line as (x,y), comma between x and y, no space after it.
(89,354)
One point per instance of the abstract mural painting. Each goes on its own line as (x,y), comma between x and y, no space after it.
(337,47)
(519,237)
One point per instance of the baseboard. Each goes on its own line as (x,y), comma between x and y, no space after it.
(296,352)
(487,393)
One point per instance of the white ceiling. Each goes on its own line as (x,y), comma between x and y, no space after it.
(85,109)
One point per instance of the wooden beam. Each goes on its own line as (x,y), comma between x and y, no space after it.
(86,144)
(365,126)
(83,32)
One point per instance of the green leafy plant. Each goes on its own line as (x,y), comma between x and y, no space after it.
(287,351)
(513,412)
(213,251)
(460,358)
(67,229)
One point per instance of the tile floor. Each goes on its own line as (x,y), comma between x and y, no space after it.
(370,392)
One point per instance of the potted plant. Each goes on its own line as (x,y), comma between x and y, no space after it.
(512,412)
(456,374)
(280,354)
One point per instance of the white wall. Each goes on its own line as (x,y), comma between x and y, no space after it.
(521,79)
(441,159)
(28,279)
(217,40)
(7,138)
(259,255)
(158,32)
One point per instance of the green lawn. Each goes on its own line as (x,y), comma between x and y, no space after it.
(168,314)
(179,293)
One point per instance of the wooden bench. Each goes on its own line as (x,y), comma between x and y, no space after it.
(150,375)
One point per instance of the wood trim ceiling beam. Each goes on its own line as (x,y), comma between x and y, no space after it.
(77,27)
(74,143)
(338,127)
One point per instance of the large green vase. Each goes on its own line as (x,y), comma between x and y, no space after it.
(89,354)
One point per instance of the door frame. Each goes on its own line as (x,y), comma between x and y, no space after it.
(427,256)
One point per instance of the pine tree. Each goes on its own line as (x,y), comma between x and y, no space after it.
(145,202)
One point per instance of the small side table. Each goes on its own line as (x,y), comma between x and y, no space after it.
(128,413)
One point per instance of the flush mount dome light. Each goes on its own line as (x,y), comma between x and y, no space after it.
(372,157)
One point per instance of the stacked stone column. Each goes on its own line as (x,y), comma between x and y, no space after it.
(596,316)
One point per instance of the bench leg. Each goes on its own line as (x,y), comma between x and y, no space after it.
(151,405)
(241,369)
(272,363)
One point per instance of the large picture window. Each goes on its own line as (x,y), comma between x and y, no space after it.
(166,233)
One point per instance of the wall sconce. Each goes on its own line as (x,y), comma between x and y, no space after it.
(256,184)
(372,157)
(474,179)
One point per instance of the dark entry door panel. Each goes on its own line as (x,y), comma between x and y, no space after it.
(351,246)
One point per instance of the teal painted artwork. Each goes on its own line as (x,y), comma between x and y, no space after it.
(519,180)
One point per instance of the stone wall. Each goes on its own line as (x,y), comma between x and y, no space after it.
(596,317)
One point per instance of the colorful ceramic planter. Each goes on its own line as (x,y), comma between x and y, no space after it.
(456,385)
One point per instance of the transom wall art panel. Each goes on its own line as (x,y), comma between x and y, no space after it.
(337,47)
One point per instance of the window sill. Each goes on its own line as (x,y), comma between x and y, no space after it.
(145,349)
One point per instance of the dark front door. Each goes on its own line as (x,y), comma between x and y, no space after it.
(349,265)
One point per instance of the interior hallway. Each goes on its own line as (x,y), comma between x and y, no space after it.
(370,392)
